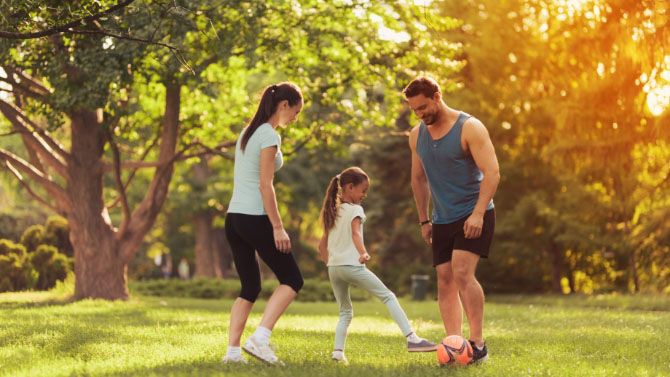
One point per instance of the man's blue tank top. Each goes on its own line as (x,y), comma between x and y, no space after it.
(452,174)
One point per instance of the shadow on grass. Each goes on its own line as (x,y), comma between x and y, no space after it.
(27,304)
(307,354)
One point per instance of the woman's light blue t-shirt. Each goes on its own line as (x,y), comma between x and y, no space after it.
(247,173)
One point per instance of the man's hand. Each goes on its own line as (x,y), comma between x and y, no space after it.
(473,226)
(427,233)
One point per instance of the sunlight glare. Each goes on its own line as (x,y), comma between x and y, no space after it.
(658,100)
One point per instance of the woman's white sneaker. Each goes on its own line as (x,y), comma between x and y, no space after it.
(260,351)
(234,360)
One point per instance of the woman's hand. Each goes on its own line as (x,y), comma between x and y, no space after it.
(363,258)
(282,240)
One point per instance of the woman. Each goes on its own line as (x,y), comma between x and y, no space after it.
(253,223)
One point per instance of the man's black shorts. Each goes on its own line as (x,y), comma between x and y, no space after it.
(447,237)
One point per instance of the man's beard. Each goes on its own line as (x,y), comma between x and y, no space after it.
(430,119)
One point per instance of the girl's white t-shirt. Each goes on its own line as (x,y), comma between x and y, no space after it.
(341,248)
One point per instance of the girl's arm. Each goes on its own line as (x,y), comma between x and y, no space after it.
(282,241)
(357,237)
(323,248)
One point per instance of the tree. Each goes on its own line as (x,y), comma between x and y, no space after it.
(100,86)
(565,93)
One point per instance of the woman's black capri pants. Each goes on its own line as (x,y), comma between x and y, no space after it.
(248,234)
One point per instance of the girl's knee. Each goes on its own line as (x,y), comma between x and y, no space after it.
(387,296)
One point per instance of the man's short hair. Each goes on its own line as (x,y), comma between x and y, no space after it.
(421,85)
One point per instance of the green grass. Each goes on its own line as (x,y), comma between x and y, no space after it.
(42,334)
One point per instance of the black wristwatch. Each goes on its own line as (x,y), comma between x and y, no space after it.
(422,223)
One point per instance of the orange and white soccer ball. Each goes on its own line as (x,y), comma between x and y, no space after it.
(454,349)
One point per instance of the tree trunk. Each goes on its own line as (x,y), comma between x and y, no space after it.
(206,263)
(99,271)
(556,267)
(101,252)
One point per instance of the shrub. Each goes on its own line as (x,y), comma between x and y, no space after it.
(33,236)
(313,290)
(8,247)
(50,265)
(57,234)
(16,272)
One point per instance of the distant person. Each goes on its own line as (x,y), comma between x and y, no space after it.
(343,250)
(166,268)
(253,223)
(183,269)
(454,161)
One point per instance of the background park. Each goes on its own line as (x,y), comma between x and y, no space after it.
(118,125)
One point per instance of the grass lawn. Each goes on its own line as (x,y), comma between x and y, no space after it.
(43,335)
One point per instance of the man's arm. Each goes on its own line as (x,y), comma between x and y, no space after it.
(479,144)
(420,186)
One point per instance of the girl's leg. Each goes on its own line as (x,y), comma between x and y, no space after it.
(341,292)
(367,280)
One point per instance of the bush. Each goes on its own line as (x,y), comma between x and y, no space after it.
(50,265)
(16,272)
(313,290)
(57,234)
(33,236)
(8,247)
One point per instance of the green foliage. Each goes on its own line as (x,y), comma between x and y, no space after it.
(16,272)
(36,262)
(57,234)
(8,247)
(313,290)
(34,236)
(50,265)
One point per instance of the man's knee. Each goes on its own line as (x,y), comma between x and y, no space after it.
(446,286)
(463,276)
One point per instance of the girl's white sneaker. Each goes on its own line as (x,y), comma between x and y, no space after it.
(339,357)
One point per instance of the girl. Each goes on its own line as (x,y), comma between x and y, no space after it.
(253,223)
(343,250)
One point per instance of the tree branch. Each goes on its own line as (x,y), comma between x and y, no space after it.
(132,174)
(179,156)
(66,27)
(25,82)
(119,181)
(33,139)
(52,188)
(146,212)
(175,51)
(30,191)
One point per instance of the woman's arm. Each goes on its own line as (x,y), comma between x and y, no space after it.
(282,241)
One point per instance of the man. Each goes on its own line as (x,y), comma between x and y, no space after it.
(453,160)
